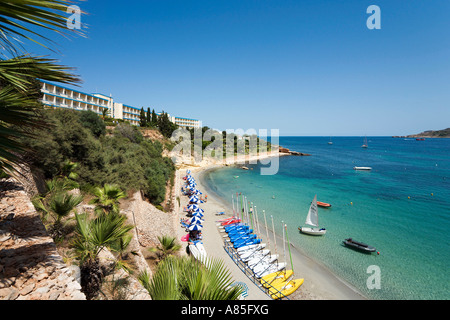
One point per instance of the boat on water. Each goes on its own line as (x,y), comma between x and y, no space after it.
(323,204)
(420,139)
(312,220)
(330,142)
(358,245)
(363,168)
(365,145)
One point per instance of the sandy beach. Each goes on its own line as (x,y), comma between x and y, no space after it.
(320,283)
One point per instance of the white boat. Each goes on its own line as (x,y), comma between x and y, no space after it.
(194,251)
(312,219)
(246,256)
(330,142)
(264,269)
(362,168)
(201,250)
(270,258)
(251,247)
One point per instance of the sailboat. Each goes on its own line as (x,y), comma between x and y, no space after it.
(365,145)
(330,142)
(312,219)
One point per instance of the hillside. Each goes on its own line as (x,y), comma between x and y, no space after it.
(444,133)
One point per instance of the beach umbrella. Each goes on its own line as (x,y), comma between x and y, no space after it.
(188,171)
(193,206)
(197,214)
(196,201)
(194,198)
(195,227)
(197,192)
(196,220)
(198,209)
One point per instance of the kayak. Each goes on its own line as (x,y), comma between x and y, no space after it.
(272,279)
(263,270)
(283,289)
(225,223)
(251,247)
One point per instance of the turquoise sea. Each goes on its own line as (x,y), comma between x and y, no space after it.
(401,207)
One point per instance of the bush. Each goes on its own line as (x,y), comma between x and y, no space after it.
(124,158)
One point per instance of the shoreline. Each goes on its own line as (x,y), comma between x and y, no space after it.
(320,282)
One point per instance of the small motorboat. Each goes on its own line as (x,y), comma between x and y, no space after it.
(362,168)
(323,204)
(359,245)
(420,139)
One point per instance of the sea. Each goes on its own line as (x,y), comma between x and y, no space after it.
(401,207)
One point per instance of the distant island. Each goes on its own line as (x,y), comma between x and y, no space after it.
(444,133)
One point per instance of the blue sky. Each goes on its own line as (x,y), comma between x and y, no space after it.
(304,67)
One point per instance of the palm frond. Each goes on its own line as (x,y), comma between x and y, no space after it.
(17,17)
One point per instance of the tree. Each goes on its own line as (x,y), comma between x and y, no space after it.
(89,119)
(184,278)
(154,119)
(166,127)
(61,205)
(92,236)
(142,118)
(168,246)
(149,118)
(19,89)
(107,199)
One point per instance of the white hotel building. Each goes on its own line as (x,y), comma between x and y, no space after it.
(57,96)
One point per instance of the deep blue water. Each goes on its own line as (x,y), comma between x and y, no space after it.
(402,207)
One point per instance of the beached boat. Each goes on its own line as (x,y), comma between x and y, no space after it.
(363,168)
(323,204)
(358,245)
(312,219)
(274,278)
(264,269)
(251,248)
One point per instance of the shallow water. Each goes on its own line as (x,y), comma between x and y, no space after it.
(411,234)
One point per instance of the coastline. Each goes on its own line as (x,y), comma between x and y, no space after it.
(320,283)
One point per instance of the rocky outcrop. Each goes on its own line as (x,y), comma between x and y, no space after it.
(30,266)
(294,153)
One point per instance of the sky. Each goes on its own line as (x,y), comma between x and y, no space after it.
(307,68)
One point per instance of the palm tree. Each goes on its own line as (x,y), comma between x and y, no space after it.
(184,278)
(61,205)
(168,246)
(19,90)
(92,236)
(107,198)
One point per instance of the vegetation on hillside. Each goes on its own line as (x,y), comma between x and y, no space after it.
(124,158)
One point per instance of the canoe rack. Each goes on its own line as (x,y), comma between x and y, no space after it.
(232,252)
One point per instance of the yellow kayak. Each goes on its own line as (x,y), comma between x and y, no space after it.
(283,289)
(272,279)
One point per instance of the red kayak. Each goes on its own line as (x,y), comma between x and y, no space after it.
(225,223)
(323,204)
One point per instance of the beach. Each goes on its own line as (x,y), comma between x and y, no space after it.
(320,283)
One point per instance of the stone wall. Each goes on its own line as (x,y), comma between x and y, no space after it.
(30,266)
